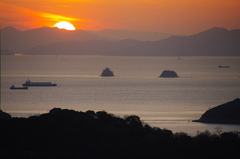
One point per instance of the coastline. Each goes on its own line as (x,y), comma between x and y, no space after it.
(227,113)
(217,122)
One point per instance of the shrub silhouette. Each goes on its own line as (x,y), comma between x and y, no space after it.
(63,133)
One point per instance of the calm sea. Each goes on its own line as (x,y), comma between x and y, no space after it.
(135,89)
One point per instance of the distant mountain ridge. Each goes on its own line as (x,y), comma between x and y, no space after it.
(19,41)
(53,41)
(212,42)
(127,34)
(91,47)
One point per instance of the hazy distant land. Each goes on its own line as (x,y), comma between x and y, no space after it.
(127,34)
(6,52)
(53,41)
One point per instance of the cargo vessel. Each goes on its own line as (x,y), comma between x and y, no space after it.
(220,66)
(30,83)
(14,87)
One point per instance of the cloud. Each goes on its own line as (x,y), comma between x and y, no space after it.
(57,18)
(12,14)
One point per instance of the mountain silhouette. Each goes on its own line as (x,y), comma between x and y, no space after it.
(91,47)
(53,41)
(213,42)
(127,34)
(19,41)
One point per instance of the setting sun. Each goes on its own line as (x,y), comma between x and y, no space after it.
(65,25)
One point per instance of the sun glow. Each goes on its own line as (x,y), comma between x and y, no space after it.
(65,25)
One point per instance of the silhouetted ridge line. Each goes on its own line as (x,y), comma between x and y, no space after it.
(20,41)
(64,133)
(53,41)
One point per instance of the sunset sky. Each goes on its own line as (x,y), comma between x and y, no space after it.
(169,16)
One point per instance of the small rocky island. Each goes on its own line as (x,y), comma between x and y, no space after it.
(107,72)
(228,113)
(168,74)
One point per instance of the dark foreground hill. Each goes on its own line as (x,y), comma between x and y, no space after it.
(228,113)
(70,134)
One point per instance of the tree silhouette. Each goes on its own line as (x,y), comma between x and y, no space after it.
(63,133)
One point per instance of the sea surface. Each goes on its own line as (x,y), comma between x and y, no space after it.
(136,89)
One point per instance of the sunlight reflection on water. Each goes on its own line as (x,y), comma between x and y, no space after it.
(135,88)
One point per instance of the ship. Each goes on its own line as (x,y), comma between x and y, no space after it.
(13,87)
(220,66)
(30,83)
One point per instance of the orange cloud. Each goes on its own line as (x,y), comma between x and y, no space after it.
(27,18)
(172,16)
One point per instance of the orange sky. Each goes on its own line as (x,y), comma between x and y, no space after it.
(170,16)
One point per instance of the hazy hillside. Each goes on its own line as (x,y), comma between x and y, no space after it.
(6,52)
(19,41)
(91,47)
(127,34)
(213,42)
